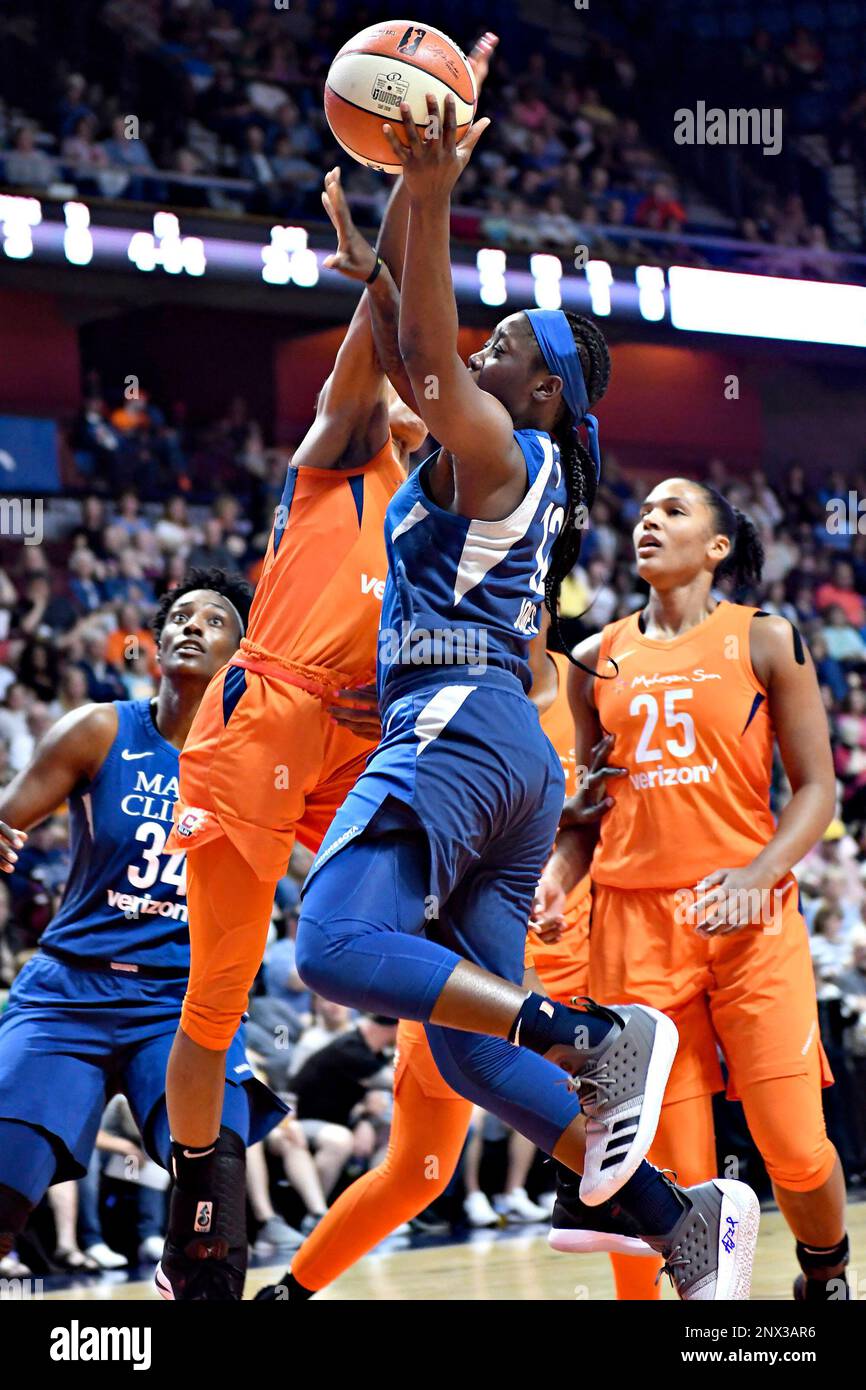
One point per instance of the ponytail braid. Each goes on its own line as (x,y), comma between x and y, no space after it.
(744,562)
(578,470)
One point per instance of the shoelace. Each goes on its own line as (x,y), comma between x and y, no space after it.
(672,1261)
(593,1083)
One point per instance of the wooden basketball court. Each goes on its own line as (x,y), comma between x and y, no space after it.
(496,1266)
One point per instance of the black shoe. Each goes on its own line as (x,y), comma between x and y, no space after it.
(206,1251)
(288,1290)
(427,1223)
(835,1290)
(576,1229)
(270,1293)
(202,1278)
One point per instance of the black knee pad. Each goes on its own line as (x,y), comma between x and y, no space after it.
(15,1209)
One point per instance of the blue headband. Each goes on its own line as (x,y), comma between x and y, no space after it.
(559,351)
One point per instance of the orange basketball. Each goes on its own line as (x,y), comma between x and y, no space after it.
(383,65)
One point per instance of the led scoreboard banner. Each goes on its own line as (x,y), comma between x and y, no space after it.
(691,300)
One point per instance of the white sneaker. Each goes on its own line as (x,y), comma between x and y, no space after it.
(547,1200)
(516,1206)
(105,1257)
(150,1250)
(478,1210)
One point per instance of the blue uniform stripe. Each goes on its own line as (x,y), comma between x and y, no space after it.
(285,507)
(756,705)
(234,686)
(357,486)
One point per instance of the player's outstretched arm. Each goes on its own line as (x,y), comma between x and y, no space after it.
(356,259)
(473,426)
(352,417)
(73,750)
(723,901)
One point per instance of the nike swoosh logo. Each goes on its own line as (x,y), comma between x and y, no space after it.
(621,656)
(128,757)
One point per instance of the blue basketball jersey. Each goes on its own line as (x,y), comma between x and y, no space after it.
(125,900)
(463,593)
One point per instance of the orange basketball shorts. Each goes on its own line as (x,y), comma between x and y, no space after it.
(263,765)
(750,994)
(563,965)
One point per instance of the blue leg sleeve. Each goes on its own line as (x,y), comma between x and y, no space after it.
(517,1085)
(357,945)
(359,940)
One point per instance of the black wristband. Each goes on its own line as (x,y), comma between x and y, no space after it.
(375,271)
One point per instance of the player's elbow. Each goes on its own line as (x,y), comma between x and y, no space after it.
(415,352)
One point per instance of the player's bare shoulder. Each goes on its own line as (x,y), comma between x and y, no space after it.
(775,645)
(83,737)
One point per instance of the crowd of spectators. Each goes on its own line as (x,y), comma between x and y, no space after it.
(788,202)
(199,105)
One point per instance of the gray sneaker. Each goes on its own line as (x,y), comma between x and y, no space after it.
(709,1253)
(621,1085)
(277,1237)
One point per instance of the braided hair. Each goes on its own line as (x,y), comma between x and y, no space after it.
(578,469)
(745,559)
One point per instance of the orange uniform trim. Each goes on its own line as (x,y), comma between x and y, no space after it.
(316,680)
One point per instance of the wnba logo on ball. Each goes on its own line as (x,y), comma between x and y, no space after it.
(408,44)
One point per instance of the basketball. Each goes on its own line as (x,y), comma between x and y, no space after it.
(384,65)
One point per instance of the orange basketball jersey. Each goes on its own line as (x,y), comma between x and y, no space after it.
(559,957)
(558,723)
(318,600)
(691,726)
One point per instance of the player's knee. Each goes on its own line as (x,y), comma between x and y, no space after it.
(15,1208)
(210,1027)
(321,960)
(800,1163)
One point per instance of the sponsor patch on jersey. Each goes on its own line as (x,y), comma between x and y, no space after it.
(192,820)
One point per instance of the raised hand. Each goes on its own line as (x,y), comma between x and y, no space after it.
(479,58)
(354,256)
(432,162)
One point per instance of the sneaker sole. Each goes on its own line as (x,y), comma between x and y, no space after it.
(597,1243)
(162,1286)
(741,1205)
(665,1043)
